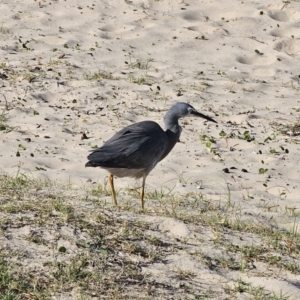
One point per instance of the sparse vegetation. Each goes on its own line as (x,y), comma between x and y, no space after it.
(99,75)
(98,251)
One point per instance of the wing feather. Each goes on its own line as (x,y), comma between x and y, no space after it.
(137,146)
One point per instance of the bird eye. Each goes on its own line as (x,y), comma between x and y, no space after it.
(190,110)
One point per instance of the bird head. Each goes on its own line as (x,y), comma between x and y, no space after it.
(182,109)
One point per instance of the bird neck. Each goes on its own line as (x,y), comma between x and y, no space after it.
(173,130)
(171,121)
(173,137)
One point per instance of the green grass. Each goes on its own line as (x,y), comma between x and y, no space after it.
(99,75)
(57,241)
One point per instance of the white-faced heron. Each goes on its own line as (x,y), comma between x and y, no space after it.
(136,149)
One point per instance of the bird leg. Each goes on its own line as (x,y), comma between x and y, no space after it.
(113,193)
(143,192)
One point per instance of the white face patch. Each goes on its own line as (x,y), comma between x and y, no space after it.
(190,110)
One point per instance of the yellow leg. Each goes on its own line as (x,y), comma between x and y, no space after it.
(113,193)
(143,192)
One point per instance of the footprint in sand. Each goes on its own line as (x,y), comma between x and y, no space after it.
(256,60)
(284,15)
(194,16)
(204,26)
(290,47)
(207,29)
(112,31)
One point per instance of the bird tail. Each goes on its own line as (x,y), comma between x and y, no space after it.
(91,164)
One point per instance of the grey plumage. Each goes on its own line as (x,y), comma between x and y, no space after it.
(136,149)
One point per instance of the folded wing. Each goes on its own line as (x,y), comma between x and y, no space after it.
(137,146)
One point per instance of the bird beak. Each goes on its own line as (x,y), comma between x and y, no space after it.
(194,112)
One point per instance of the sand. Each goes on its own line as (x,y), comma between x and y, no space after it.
(72,73)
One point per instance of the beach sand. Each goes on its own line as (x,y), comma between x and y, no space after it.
(72,73)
